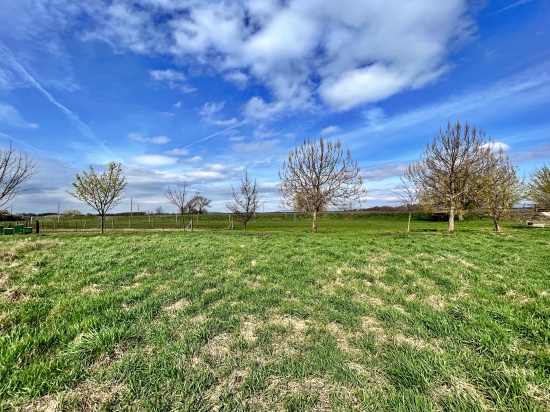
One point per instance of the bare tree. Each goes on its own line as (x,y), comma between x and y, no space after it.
(101,192)
(322,175)
(408,197)
(202,203)
(538,189)
(244,202)
(16,168)
(447,167)
(178,196)
(159,210)
(191,205)
(499,189)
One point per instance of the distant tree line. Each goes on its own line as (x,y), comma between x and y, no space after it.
(460,169)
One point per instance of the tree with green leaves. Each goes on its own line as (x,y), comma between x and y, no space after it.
(102,192)
(538,189)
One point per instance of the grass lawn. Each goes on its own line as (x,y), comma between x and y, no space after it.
(357,317)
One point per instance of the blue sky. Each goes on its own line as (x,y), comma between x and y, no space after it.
(201,90)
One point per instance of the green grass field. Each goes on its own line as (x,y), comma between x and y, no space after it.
(360,316)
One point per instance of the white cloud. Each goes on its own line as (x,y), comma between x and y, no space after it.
(193,159)
(174,80)
(329,130)
(155,140)
(177,152)
(178,104)
(10,115)
(210,108)
(497,146)
(260,146)
(347,53)
(155,160)
(236,138)
(384,171)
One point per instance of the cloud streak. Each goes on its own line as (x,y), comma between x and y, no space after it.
(83,128)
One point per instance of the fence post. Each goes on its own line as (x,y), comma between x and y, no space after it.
(113,223)
(128,223)
(37,226)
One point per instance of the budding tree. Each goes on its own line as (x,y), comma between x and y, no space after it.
(408,195)
(15,169)
(447,169)
(102,192)
(321,175)
(538,188)
(244,202)
(499,189)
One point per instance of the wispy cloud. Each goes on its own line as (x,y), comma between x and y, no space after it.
(154,140)
(329,130)
(10,115)
(173,79)
(177,152)
(511,6)
(81,126)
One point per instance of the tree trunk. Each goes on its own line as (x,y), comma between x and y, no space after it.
(314,224)
(409,224)
(102,223)
(497,226)
(182,221)
(451,227)
(244,224)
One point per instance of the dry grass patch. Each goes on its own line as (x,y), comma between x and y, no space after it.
(88,396)
(517,297)
(436,301)
(4,278)
(14,295)
(341,338)
(418,343)
(93,289)
(218,347)
(177,306)
(372,326)
(248,328)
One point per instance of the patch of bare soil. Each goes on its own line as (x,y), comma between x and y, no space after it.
(14,295)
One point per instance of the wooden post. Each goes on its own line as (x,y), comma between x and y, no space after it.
(37,226)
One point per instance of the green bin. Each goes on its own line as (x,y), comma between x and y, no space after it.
(18,228)
(8,231)
(27,230)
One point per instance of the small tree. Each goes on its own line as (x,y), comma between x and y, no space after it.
(202,203)
(499,189)
(408,197)
(177,195)
(244,203)
(322,175)
(446,170)
(159,210)
(16,168)
(538,189)
(101,192)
